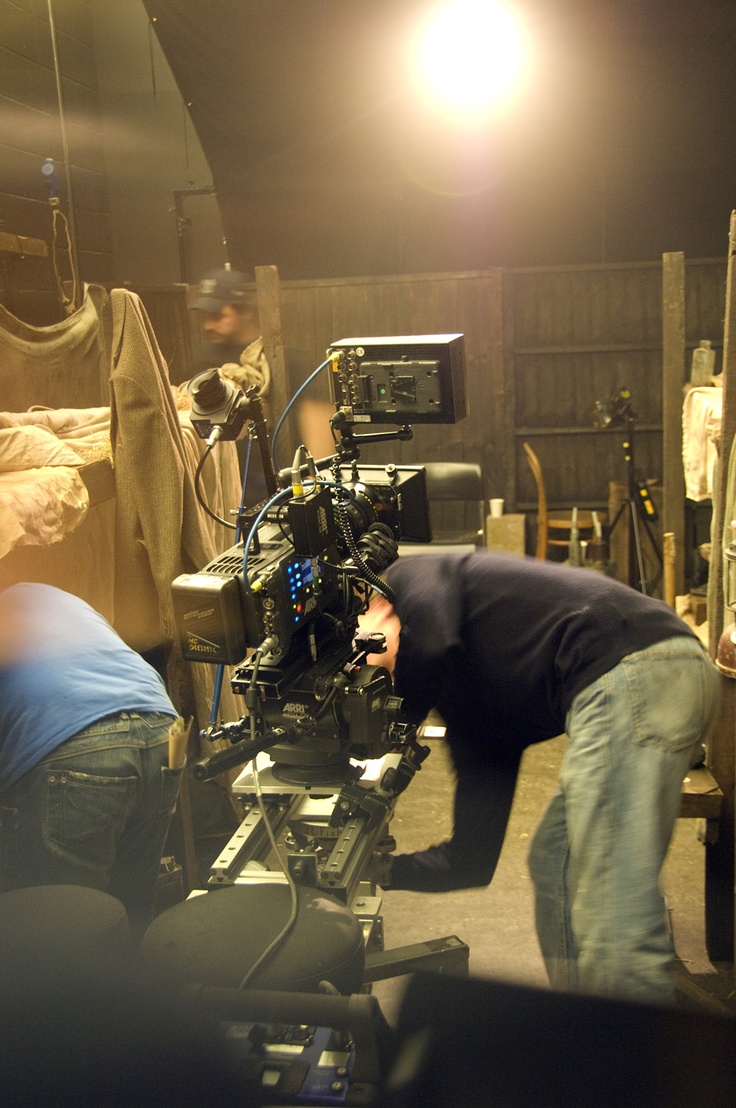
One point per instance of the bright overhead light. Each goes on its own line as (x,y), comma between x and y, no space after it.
(472,56)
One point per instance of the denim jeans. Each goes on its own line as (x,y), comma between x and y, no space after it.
(96,812)
(597,854)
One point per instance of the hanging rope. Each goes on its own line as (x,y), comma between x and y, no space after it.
(70,231)
(151,55)
(68,303)
(185,111)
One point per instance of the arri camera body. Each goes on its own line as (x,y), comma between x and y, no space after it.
(299,597)
(296,564)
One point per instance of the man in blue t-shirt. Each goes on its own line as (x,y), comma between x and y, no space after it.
(513,651)
(87,790)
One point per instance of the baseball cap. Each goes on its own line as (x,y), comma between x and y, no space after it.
(218,288)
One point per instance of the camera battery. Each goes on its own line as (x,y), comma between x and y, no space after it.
(209,617)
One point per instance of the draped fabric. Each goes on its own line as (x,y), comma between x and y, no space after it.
(160,528)
(53,391)
(701,430)
(121,554)
(59,366)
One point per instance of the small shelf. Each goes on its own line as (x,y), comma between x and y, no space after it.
(532,432)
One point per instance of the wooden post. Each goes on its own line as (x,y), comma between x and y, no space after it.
(673,378)
(670,562)
(269,311)
(507,411)
(720,856)
(716,586)
(498,451)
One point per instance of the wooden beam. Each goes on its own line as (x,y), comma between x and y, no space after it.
(532,432)
(721,537)
(701,798)
(498,448)
(269,311)
(22,245)
(99,477)
(589,348)
(509,397)
(720,857)
(673,378)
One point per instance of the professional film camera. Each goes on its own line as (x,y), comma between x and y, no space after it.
(328,747)
(282,605)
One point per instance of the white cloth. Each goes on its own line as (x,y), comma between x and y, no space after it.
(701,429)
(42,496)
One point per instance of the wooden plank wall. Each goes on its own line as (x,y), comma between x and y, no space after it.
(316,314)
(580,335)
(30,132)
(542,345)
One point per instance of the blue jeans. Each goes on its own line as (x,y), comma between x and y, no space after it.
(597,854)
(96,812)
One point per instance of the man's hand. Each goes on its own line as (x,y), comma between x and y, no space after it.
(379,870)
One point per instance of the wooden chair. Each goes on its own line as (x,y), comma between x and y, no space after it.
(554,530)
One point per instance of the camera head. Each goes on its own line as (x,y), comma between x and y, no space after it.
(217,403)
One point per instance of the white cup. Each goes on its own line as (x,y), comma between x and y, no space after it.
(497,507)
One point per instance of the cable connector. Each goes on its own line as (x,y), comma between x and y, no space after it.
(215,435)
(268,644)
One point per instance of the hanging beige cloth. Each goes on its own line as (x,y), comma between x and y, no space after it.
(160,529)
(47,376)
(60,366)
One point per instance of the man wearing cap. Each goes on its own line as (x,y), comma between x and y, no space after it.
(229,318)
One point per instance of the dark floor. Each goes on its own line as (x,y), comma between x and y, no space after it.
(497,922)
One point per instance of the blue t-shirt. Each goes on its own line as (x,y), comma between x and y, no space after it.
(62,667)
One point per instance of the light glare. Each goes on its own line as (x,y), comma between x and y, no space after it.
(472,54)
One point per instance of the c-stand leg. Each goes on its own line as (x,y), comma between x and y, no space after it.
(637,510)
(637,567)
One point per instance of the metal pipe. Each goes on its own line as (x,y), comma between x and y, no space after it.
(64,142)
(182,225)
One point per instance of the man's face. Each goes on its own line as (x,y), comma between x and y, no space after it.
(225,326)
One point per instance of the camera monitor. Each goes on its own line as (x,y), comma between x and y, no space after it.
(400,379)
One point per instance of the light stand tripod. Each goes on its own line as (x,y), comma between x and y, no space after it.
(639,512)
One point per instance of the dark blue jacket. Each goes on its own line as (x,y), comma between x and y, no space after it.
(501,646)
